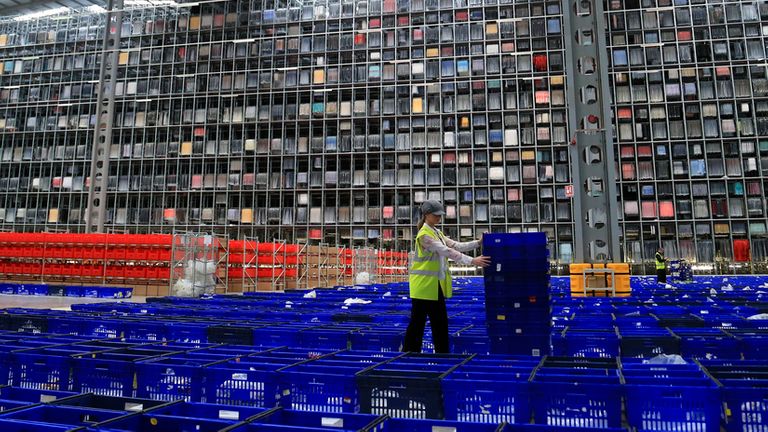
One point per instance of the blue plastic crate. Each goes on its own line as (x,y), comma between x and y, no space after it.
(747,403)
(123,405)
(664,405)
(648,342)
(57,291)
(66,325)
(39,371)
(744,391)
(277,336)
(707,343)
(303,420)
(145,330)
(74,291)
(31,396)
(245,382)
(23,426)
(470,343)
(407,386)
(537,344)
(62,415)
(104,328)
(576,343)
(103,376)
(489,392)
(171,378)
(327,386)
(107,292)
(581,404)
(414,425)
(374,340)
(326,338)
(207,411)
(28,323)
(153,423)
(577,392)
(187,332)
(32,289)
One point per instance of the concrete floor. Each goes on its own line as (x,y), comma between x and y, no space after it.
(50,302)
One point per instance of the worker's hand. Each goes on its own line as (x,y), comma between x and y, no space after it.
(481,261)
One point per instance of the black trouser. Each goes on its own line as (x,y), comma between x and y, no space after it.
(438,319)
(661,275)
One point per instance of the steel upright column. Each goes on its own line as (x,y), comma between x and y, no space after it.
(102,137)
(589,115)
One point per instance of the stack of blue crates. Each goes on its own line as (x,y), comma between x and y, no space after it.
(680,271)
(517,299)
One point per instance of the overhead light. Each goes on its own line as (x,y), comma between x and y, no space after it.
(95,9)
(236,41)
(42,14)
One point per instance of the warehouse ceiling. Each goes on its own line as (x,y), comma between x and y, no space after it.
(9,8)
(21,7)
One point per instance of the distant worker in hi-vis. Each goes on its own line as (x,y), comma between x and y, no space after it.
(661,266)
(430,278)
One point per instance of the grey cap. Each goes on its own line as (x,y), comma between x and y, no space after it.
(432,207)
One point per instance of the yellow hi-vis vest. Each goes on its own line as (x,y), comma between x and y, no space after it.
(661,264)
(425,270)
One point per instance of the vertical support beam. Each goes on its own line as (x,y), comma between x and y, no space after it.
(96,208)
(596,231)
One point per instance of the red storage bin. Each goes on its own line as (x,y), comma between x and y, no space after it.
(741,250)
(237,258)
(115,253)
(161,273)
(51,269)
(164,254)
(136,254)
(92,271)
(115,271)
(93,252)
(72,270)
(135,272)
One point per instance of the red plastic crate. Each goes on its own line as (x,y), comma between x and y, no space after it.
(135,272)
(115,253)
(92,271)
(115,272)
(136,254)
(163,273)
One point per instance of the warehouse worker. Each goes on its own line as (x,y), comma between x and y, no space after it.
(661,266)
(430,278)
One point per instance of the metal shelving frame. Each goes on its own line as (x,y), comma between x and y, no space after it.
(212,151)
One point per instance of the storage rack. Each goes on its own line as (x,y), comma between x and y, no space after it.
(332,122)
(261,120)
(689,85)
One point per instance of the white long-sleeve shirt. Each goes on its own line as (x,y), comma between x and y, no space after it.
(449,250)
